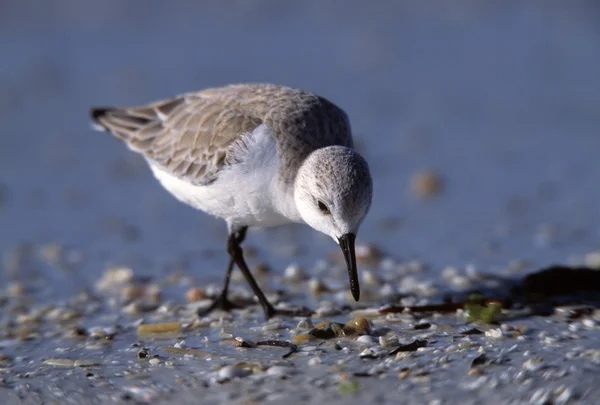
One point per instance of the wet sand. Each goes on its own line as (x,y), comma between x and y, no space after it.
(480,123)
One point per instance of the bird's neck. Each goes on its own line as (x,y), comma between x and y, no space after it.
(283,198)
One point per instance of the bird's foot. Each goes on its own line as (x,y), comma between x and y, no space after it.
(222,303)
(303,312)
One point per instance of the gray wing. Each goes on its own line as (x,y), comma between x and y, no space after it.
(191,136)
(188,136)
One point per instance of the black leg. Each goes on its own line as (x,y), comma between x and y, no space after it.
(237,255)
(221,302)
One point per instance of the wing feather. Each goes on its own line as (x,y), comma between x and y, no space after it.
(192,136)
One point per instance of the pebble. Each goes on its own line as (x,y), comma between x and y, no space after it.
(196,294)
(370,278)
(359,325)
(305,324)
(85,363)
(225,335)
(366,339)
(154,361)
(230,372)
(114,277)
(317,287)
(280,371)
(294,273)
(426,184)
(143,353)
(564,395)
(314,361)
(388,341)
(540,397)
(272,325)
(589,323)
(369,353)
(15,289)
(534,364)
(302,338)
(60,362)
(241,342)
(368,253)
(495,333)
(592,259)
(69,363)
(327,309)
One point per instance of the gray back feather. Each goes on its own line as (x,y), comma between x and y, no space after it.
(192,136)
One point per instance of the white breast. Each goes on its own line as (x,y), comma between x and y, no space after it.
(244,193)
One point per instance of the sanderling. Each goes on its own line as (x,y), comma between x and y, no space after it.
(254,155)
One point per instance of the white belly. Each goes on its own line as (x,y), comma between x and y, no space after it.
(242,194)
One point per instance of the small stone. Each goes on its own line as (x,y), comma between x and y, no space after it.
(132,292)
(366,340)
(314,361)
(426,184)
(370,278)
(369,353)
(326,330)
(97,333)
(368,253)
(305,324)
(241,342)
(261,269)
(225,335)
(495,333)
(273,325)
(326,310)
(77,333)
(533,364)
(593,260)
(135,308)
(154,361)
(388,341)
(114,277)
(60,362)
(461,282)
(563,395)
(540,397)
(476,371)
(469,330)
(180,345)
(280,371)
(359,325)
(143,353)
(294,273)
(15,289)
(302,339)
(230,372)
(317,287)
(422,325)
(85,363)
(589,323)
(195,294)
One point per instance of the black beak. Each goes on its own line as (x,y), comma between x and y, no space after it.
(347,245)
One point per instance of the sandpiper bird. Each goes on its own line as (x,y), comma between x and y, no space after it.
(254,155)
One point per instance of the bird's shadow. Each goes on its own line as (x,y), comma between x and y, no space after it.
(537,294)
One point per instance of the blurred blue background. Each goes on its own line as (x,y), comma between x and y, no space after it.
(501,99)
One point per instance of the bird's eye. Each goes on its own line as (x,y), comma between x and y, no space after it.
(323,207)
